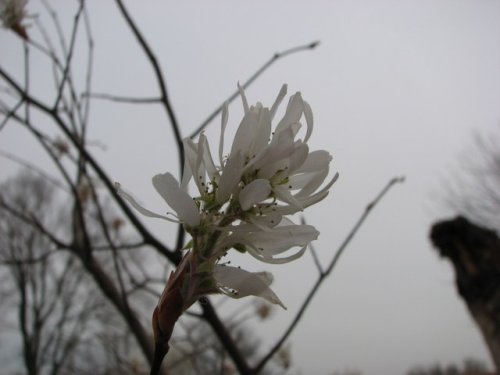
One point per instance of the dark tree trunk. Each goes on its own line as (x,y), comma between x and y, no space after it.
(475,255)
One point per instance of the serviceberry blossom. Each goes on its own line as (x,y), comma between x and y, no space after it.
(12,13)
(243,202)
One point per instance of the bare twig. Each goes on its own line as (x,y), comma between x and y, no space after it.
(33,168)
(69,56)
(26,77)
(313,251)
(124,246)
(222,333)
(148,237)
(10,113)
(88,79)
(262,69)
(165,99)
(323,275)
(122,99)
(316,259)
(46,143)
(33,221)
(30,261)
(360,222)
(57,24)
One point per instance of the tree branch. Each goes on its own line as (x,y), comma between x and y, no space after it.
(325,274)
(121,99)
(165,100)
(262,69)
(222,333)
(69,56)
(148,237)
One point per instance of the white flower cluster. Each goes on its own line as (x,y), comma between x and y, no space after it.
(243,200)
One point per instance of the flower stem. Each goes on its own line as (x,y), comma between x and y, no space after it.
(160,353)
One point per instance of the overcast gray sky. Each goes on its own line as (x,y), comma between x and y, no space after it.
(396,87)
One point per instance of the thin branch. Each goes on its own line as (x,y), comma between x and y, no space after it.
(325,274)
(368,209)
(57,24)
(174,257)
(313,251)
(27,261)
(262,69)
(165,100)
(316,259)
(125,246)
(69,56)
(107,236)
(50,51)
(10,113)
(88,79)
(33,168)
(121,99)
(225,338)
(26,76)
(38,45)
(46,143)
(32,221)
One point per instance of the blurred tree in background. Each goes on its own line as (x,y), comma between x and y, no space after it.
(469,367)
(472,190)
(474,250)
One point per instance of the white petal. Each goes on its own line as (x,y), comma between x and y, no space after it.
(309,120)
(187,172)
(272,260)
(245,134)
(284,195)
(299,181)
(288,209)
(316,160)
(267,277)
(293,112)
(230,177)
(262,133)
(255,192)
(315,181)
(307,201)
(168,187)
(298,157)
(190,154)
(246,283)
(243,98)
(195,157)
(224,118)
(285,222)
(272,241)
(208,161)
(278,100)
(308,183)
(281,238)
(307,189)
(282,147)
(267,221)
(137,206)
(199,173)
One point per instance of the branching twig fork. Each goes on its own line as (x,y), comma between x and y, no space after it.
(323,275)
